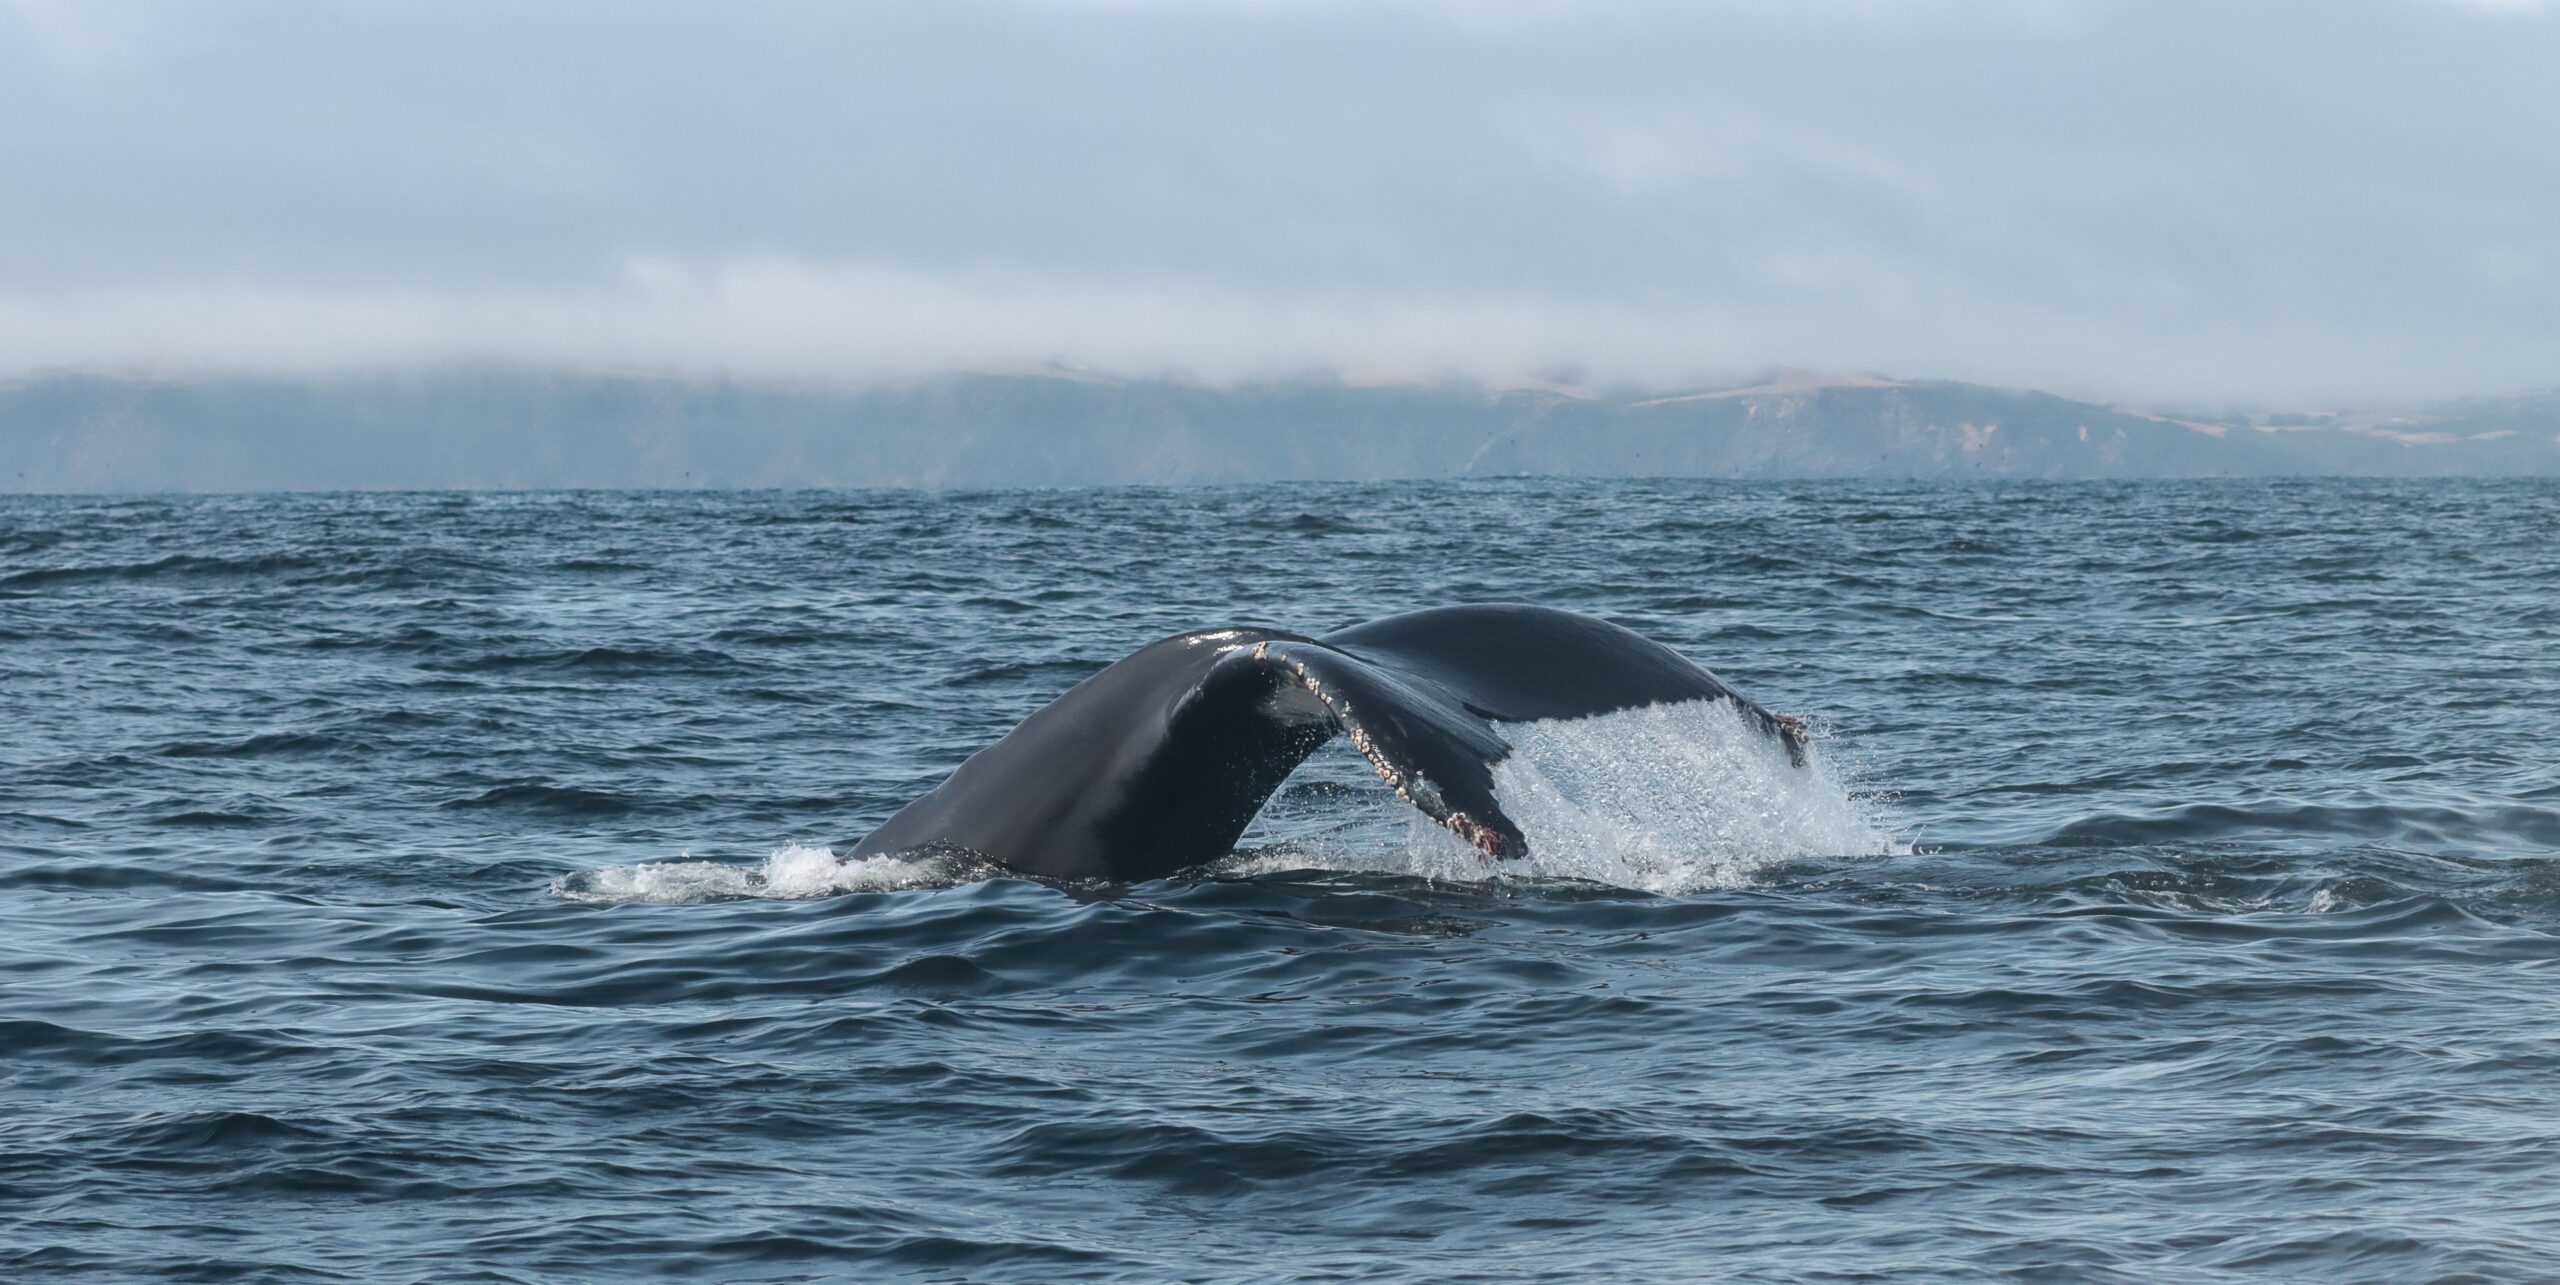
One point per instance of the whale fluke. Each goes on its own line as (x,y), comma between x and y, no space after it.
(1159,762)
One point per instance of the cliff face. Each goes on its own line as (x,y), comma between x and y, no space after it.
(473,430)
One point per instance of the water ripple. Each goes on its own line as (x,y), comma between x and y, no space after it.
(419,886)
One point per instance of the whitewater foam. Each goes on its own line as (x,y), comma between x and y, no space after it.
(791,873)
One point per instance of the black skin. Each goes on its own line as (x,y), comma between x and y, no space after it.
(1158,763)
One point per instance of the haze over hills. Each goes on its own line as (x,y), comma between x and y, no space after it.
(517,429)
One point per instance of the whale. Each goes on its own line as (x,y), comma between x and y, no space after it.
(1159,762)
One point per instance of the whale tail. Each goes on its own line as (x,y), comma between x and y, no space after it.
(1160,761)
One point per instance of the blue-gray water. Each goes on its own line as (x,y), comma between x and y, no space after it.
(385,893)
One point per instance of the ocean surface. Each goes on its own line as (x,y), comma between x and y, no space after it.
(444,887)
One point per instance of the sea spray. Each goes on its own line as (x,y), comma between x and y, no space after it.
(791,873)
(1675,798)
(1668,799)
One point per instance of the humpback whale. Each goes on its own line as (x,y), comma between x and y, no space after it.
(1160,761)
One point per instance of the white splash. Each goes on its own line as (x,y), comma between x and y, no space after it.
(791,873)
(1668,799)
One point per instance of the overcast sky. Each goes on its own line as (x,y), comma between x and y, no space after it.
(2331,199)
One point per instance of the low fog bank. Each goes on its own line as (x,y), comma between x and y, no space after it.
(509,430)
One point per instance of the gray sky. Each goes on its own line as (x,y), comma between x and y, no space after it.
(2331,199)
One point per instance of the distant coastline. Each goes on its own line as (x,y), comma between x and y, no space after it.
(466,429)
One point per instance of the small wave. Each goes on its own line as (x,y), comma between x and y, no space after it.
(768,636)
(30,541)
(603,660)
(1305,524)
(1073,671)
(844,516)
(188,1133)
(176,566)
(2487,827)
(215,819)
(82,875)
(1757,564)
(413,569)
(792,873)
(546,799)
(269,743)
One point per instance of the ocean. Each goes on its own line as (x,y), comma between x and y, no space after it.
(449,887)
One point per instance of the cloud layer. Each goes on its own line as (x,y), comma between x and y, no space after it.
(2352,199)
